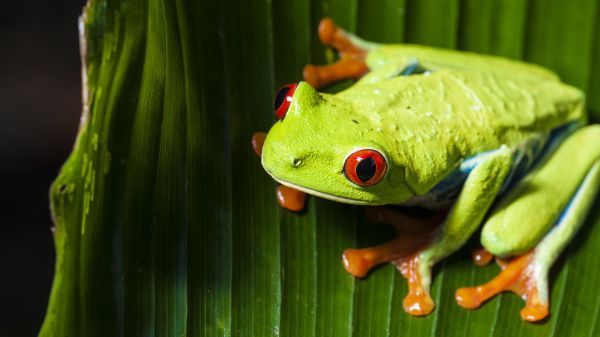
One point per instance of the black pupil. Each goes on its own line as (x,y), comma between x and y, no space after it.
(365,170)
(281,95)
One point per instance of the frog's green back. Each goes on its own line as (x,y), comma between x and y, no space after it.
(511,94)
(430,122)
(439,58)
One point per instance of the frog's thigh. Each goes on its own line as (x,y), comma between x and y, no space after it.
(523,216)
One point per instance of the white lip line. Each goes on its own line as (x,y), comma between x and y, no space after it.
(319,194)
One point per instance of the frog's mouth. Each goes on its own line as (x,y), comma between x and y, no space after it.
(320,194)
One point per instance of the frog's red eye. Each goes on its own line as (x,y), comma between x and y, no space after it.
(283,99)
(365,167)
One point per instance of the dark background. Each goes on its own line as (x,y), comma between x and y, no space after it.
(40,104)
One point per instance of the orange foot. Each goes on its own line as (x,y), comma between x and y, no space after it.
(412,234)
(287,197)
(358,262)
(404,250)
(352,58)
(516,276)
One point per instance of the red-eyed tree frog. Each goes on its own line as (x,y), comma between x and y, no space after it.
(497,143)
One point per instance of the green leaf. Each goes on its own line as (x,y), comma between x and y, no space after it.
(166,224)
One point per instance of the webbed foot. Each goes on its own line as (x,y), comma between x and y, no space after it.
(412,233)
(352,57)
(518,276)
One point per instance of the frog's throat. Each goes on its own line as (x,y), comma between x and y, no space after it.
(321,194)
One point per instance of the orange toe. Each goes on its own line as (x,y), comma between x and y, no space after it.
(258,139)
(327,30)
(312,76)
(469,298)
(481,257)
(355,262)
(534,313)
(290,198)
(418,304)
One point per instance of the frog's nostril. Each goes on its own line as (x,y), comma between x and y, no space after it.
(297,162)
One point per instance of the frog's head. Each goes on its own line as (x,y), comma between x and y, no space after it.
(321,146)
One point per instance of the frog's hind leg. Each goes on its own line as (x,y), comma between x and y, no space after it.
(353,53)
(534,206)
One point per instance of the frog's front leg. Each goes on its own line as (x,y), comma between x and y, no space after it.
(479,191)
(352,51)
(412,233)
(558,193)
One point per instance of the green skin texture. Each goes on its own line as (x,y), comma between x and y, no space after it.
(426,125)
